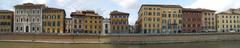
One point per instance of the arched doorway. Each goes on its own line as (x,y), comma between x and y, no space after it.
(27,29)
(194,31)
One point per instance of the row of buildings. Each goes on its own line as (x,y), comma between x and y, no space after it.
(152,19)
(38,18)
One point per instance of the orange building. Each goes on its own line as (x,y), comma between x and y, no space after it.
(119,22)
(86,22)
(53,20)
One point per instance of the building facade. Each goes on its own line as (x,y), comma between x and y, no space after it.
(28,18)
(228,22)
(87,22)
(209,20)
(68,25)
(106,26)
(53,20)
(119,22)
(154,18)
(192,20)
(6,21)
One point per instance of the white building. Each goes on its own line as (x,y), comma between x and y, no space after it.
(68,25)
(28,18)
(106,26)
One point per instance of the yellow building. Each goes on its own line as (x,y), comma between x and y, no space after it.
(228,22)
(119,22)
(86,22)
(6,21)
(154,18)
(53,20)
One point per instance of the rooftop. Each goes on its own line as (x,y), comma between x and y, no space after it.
(165,6)
(118,13)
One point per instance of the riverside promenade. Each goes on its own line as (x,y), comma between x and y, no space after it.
(116,38)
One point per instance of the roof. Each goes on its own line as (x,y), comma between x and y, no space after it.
(30,5)
(198,9)
(161,5)
(85,13)
(189,9)
(51,9)
(165,6)
(229,13)
(118,13)
(6,11)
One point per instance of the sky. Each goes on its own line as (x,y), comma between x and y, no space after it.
(104,7)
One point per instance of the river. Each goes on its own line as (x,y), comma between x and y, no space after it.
(223,44)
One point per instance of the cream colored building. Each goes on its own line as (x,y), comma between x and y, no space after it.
(209,20)
(228,22)
(68,25)
(155,18)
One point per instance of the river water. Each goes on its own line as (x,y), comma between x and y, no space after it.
(223,44)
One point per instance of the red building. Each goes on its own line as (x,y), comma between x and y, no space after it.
(192,20)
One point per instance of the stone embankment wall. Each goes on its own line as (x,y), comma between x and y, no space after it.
(126,38)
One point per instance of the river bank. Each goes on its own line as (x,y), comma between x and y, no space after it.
(223,44)
(120,39)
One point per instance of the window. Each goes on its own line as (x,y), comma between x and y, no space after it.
(49,17)
(183,25)
(53,23)
(145,13)
(58,16)
(154,13)
(37,28)
(180,11)
(169,15)
(149,25)
(75,26)
(158,19)
(145,25)
(16,28)
(53,30)
(158,13)
(158,8)
(106,25)
(149,19)
(145,19)
(164,15)
(189,25)
(222,21)
(58,23)
(149,8)
(180,21)
(21,28)
(53,17)
(145,8)
(58,30)
(33,28)
(150,13)
(49,23)
(163,21)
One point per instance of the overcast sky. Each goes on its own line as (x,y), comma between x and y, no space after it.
(104,7)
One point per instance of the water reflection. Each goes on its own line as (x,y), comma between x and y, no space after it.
(225,44)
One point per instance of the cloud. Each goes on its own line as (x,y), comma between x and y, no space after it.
(125,3)
(218,5)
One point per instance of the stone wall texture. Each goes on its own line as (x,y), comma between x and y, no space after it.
(130,38)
